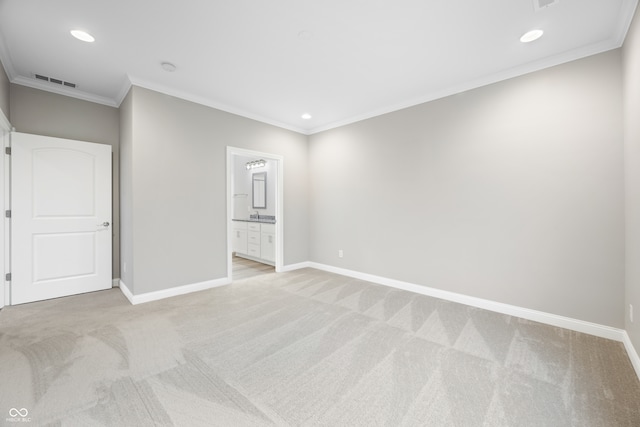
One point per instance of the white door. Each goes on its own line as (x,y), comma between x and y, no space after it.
(60,217)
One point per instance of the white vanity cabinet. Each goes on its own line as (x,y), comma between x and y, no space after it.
(255,240)
(239,237)
(268,242)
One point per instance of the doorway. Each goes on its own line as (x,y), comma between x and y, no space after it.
(257,226)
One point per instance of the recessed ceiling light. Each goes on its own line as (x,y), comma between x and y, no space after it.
(531,36)
(82,35)
(306,116)
(168,67)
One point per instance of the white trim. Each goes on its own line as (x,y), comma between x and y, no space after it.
(115,283)
(124,91)
(210,103)
(63,90)
(627,12)
(631,351)
(125,291)
(512,310)
(171,292)
(500,76)
(292,267)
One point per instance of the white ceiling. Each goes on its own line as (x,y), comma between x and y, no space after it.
(273,60)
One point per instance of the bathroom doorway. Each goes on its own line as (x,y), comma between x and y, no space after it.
(255,221)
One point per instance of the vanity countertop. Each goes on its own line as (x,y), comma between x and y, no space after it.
(265,219)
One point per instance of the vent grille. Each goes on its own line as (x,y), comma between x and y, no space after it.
(55,81)
(543,4)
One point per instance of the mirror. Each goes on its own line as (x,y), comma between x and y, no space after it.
(259,190)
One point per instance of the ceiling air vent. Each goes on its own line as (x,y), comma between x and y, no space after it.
(56,81)
(543,4)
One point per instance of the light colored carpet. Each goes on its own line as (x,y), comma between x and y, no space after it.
(304,348)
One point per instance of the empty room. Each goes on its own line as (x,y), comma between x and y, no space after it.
(337,213)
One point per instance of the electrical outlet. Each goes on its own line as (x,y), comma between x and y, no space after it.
(340,253)
(631,313)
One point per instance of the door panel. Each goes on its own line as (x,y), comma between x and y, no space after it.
(63,183)
(61,217)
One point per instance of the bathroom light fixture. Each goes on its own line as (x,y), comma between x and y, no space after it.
(83,35)
(306,116)
(531,36)
(256,164)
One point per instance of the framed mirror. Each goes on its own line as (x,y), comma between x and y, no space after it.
(259,190)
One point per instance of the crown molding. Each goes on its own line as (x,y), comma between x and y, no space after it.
(210,103)
(511,73)
(62,90)
(627,12)
(124,90)
(626,15)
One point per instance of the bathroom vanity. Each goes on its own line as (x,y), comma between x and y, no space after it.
(255,238)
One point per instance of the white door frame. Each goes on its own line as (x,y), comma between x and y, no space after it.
(233,151)
(5,229)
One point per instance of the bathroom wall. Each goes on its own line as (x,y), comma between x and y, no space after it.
(242,187)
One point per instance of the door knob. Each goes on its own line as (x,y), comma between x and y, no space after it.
(105,224)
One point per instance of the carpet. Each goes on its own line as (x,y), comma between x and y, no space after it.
(303,348)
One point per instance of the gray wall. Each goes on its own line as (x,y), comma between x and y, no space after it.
(126,188)
(45,113)
(631,68)
(4,92)
(178,188)
(512,192)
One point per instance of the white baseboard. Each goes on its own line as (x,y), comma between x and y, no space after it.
(115,283)
(171,292)
(512,310)
(292,267)
(631,351)
(125,291)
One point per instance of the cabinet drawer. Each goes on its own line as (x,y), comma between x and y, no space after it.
(268,228)
(254,237)
(254,250)
(254,227)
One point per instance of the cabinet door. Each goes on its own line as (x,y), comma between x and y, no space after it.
(240,241)
(268,246)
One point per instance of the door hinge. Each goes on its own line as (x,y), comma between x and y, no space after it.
(7,277)
(7,214)
(7,150)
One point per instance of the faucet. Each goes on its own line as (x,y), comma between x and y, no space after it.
(257,215)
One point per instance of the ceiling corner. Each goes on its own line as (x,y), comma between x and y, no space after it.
(627,12)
